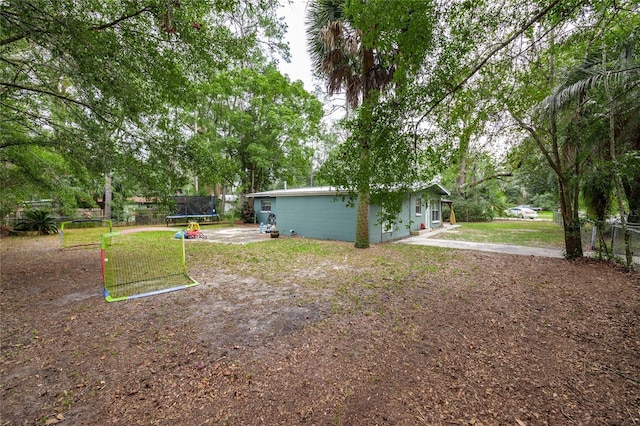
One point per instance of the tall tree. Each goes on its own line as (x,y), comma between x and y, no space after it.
(532,66)
(562,151)
(338,54)
(254,127)
(102,84)
(592,88)
(361,47)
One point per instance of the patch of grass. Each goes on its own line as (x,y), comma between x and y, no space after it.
(517,232)
(546,215)
(350,280)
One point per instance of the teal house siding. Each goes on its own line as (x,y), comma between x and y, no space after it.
(262,216)
(383,232)
(322,213)
(321,216)
(415,220)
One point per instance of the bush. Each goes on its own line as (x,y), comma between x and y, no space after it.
(546,201)
(39,221)
(470,211)
(247,214)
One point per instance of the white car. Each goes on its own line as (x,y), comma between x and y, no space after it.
(522,212)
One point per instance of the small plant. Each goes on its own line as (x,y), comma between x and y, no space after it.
(67,398)
(247,213)
(39,221)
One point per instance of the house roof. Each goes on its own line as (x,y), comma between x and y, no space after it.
(330,190)
(298,192)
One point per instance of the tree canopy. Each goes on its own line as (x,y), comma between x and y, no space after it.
(90,88)
(485,66)
(253,125)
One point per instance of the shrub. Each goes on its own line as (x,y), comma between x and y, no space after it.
(546,201)
(247,214)
(39,221)
(470,211)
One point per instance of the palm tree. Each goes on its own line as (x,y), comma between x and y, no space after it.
(339,55)
(613,86)
(39,221)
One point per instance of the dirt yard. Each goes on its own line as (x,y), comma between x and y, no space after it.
(392,335)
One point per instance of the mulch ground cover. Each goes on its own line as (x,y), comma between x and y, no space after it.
(455,338)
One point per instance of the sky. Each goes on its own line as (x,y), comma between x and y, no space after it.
(294,13)
(300,66)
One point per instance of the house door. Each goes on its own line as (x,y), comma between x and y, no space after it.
(427,215)
(433,214)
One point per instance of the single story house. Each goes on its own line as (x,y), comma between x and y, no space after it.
(322,213)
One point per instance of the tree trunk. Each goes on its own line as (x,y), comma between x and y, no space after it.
(362,220)
(107,196)
(563,158)
(463,150)
(364,175)
(572,240)
(632,190)
(570,221)
(364,193)
(219,197)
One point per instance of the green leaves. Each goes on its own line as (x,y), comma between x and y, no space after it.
(399,31)
(112,86)
(255,126)
(39,221)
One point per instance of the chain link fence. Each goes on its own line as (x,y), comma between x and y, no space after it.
(607,239)
(129,219)
(618,245)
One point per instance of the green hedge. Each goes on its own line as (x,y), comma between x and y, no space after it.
(469,211)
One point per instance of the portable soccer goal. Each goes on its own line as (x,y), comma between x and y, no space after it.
(86,232)
(143,263)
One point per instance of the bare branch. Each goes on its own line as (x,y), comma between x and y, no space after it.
(123,18)
(12,39)
(56,95)
(104,26)
(538,140)
(488,56)
(496,176)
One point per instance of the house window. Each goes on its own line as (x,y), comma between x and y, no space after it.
(419,207)
(435,211)
(387,225)
(265,206)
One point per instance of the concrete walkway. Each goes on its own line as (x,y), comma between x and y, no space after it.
(427,239)
(495,248)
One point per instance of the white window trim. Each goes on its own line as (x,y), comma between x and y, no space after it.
(418,203)
(436,207)
(262,204)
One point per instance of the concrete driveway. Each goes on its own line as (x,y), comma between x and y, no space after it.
(495,248)
(430,239)
(244,235)
(235,235)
